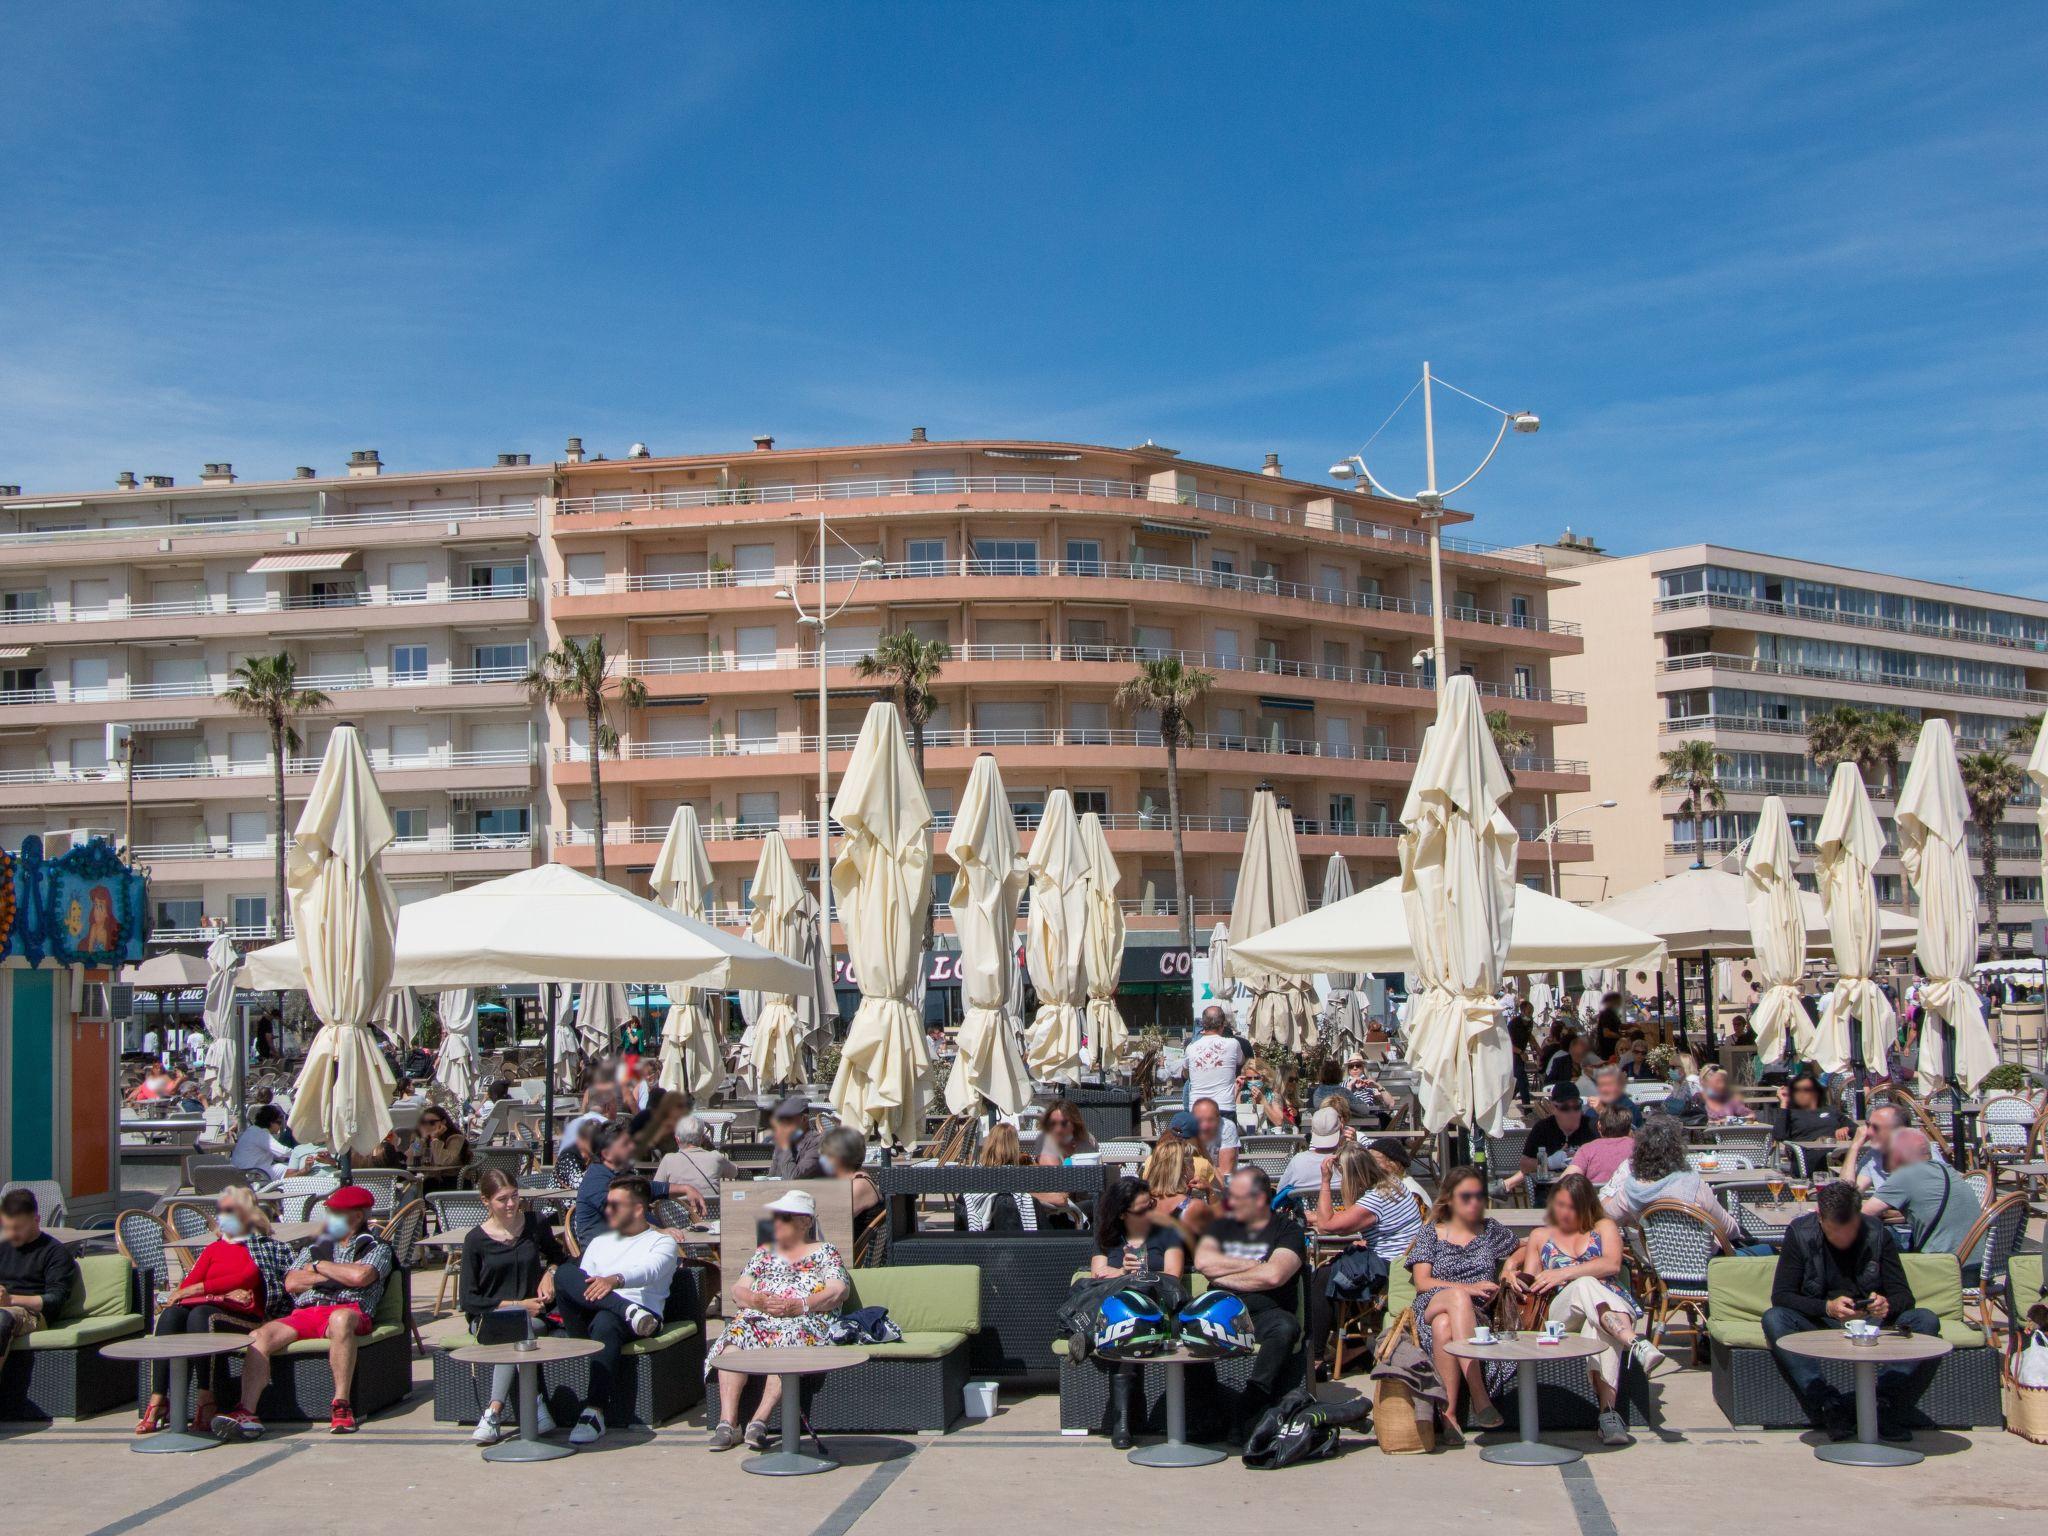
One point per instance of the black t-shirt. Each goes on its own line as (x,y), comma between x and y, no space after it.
(1239,1242)
(1547,1137)
(1159,1242)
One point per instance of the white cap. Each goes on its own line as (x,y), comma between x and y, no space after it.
(796,1202)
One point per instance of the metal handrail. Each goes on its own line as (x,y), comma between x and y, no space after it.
(1728,662)
(1809,615)
(220,606)
(245,525)
(800,827)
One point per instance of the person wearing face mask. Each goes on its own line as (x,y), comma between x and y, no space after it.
(230,1286)
(335,1284)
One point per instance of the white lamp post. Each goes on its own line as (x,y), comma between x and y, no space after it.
(1548,836)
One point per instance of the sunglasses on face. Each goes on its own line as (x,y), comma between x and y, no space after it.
(1143,1210)
(1469,1194)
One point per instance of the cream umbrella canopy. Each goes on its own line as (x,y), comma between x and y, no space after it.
(1270,893)
(1849,846)
(345,922)
(1777,930)
(456,1068)
(780,920)
(989,1066)
(1931,813)
(1458,886)
(691,1061)
(1056,940)
(882,880)
(1104,946)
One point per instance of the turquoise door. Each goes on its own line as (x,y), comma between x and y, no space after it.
(32,1142)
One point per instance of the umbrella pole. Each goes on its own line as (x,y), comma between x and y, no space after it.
(1660,1004)
(241,1027)
(1684,1035)
(1707,998)
(547,1090)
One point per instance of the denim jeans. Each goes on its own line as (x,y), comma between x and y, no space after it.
(605,1320)
(1898,1386)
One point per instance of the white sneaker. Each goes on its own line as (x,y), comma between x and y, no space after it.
(589,1428)
(644,1323)
(490,1429)
(1652,1360)
(1612,1430)
(543,1421)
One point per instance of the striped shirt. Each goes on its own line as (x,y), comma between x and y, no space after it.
(1396,1221)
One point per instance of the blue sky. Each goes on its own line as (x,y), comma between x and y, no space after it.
(1772,274)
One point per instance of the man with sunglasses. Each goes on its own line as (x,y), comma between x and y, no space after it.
(1259,1254)
(612,1155)
(615,1293)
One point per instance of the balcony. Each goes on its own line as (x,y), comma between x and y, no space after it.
(123,691)
(797,827)
(222,780)
(1080,488)
(1729,603)
(1724,662)
(220,606)
(466,516)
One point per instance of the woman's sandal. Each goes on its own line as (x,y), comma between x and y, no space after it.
(152,1420)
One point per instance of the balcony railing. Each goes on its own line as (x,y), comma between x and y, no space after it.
(220,606)
(1023,485)
(381,760)
(1726,662)
(1060,570)
(1683,724)
(401,517)
(1728,602)
(1027,820)
(440,840)
(2008,848)
(121,690)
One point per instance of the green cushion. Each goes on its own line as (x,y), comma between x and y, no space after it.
(668,1338)
(2025,1272)
(104,1289)
(1739,1293)
(919,1344)
(1400,1289)
(85,1331)
(921,1298)
(376,1335)
(453,1333)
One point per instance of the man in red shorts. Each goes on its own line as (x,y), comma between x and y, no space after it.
(334,1284)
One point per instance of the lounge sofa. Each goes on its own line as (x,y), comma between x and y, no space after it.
(58,1372)
(660,1377)
(301,1386)
(917,1384)
(1750,1390)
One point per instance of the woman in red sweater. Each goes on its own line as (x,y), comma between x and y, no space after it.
(224,1288)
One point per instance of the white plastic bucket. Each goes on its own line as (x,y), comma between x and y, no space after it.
(980,1399)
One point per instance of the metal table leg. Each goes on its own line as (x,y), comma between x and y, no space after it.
(790,1461)
(1529,1450)
(1867,1450)
(1175,1451)
(176,1438)
(528,1446)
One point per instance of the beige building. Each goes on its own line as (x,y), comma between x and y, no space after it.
(1741,649)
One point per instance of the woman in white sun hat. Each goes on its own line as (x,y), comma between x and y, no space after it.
(792,1287)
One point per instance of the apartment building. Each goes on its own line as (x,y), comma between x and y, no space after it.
(410,600)
(1743,649)
(1050,570)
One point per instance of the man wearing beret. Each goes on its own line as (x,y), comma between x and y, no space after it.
(335,1284)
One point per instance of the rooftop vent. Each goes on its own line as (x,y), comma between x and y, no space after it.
(303,472)
(364,461)
(513,460)
(1271,466)
(638,451)
(158,482)
(917,434)
(574,452)
(125,480)
(763,442)
(10,490)
(217,474)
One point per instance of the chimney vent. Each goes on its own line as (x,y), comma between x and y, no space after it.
(917,434)
(1271,466)
(574,452)
(763,442)
(158,482)
(126,481)
(364,461)
(303,472)
(10,490)
(217,474)
(513,460)
(638,451)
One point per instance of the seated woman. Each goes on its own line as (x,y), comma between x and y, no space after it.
(1660,1168)
(1063,1135)
(439,1152)
(1360,1196)
(842,1153)
(1456,1262)
(792,1287)
(1131,1237)
(1183,1182)
(1571,1265)
(1001,1213)
(508,1260)
(236,1282)
(1803,1113)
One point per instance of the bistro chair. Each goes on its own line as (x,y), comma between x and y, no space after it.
(1678,1243)
(140,1237)
(2004,1127)
(383,1185)
(1750,1141)
(452,1210)
(1504,1158)
(212,1178)
(50,1205)
(303,1191)
(403,1232)
(2001,1229)
(511,1161)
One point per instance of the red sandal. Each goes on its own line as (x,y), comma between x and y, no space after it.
(152,1420)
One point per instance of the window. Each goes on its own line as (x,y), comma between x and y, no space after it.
(586,573)
(1344,815)
(930,629)
(1015,715)
(755,647)
(21,679)
(249,832)
(252,914)
(181,913)
(1224,642)
(408,823)
(1093,633)
(1525,682)
(1025,634)
(501,578)
(1337,654)
(753,565)
(1337,736)
(1086,800)
(1084,557)
(90,597)
(755,729)
(1006,557)
(1026,804)
(89,678)
(23,602)
(1087,721)
(406,582)
(500,660)
(926,557)
(761,808)
(506,823)
(1223,565)
(88,754)
(408,664)
(1152,641)
(411,743)
(1518,611)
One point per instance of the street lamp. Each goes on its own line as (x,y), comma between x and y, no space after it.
(818,622)
(1430,500)
(1548,836)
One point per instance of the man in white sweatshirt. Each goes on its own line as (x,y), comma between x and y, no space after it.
(616,1293)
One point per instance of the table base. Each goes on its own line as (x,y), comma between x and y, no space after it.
(171,1442)
(1529,1453)
(1855,1453)
(527,1450)
(788,1464)
(1176,1453)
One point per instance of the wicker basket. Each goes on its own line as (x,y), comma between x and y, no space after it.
(1398,1425)
(2026,1408)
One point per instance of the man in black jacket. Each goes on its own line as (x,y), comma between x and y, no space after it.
(1838,1264)
(38,1275)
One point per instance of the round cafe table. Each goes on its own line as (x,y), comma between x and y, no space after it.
(1175,1450)
(1890,1347)
(792,1365)
(180,1349)
(529,1358)
(1522,1352)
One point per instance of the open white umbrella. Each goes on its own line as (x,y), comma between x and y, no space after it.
(1706,911)
(1458,853)
(781,920)
(1270,893)
(456,1067)
(1849,846)
(1777,933)
(691,1060)
(1343,1017)
(1056,940)
(882,881)
(1103,947)
(345,922)
(1933,848)
(989,1065)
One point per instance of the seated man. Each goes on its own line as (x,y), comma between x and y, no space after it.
(1547,1149)
(1870,1151)
(37,1273)
(335,1284)
(796,1142)
(1610,1086)
(617,1291)
(1260,1255)
(613,1146)
(1838,1264)
(695,1164)
(1216,1135)
(1936,1204)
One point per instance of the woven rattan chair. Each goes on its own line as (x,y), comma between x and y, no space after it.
(1678,1242)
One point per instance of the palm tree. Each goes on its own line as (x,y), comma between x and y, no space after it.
(1693,769)
(1171,688)
(1840,734)
(1890,733)
(1990,780)
(1509,739)
(578,672)
(268,687)
(912,664)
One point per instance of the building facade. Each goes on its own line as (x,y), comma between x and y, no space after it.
(1742,650)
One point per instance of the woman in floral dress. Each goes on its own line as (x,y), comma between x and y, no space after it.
(786,1300)
(1456,1263)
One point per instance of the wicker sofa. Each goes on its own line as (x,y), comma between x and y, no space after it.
(917,1384)
(659,1378)
(1750,1389)
(58,1372)
(301,1386)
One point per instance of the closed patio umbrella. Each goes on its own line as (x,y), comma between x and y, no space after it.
(1458,885)
(882,882)
(1055,941)
(1269,893)
(1223,986)
(1104,946)
(562,1027)
(691,1060)
(1343,1020)
(1777,930)
(345,922)
(456,1067)
(397,1019)
(1849,846)
(224,1048)
(780,920)
(602,1009)
(988,1067)
(1934,851)
(2037,770)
